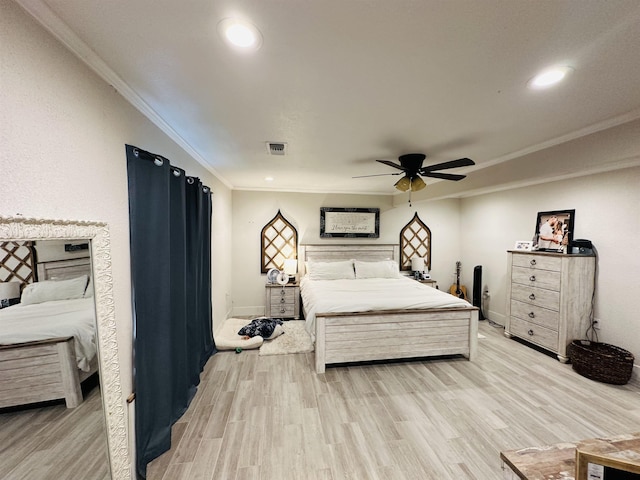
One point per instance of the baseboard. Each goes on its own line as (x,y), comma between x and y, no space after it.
(496,317)
(257,310)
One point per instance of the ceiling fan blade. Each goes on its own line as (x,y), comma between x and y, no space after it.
(391,164)
(377,175)
(461,162)
(444,176)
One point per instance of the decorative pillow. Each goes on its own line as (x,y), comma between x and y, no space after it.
(51,290)
(382,269)
(331,270)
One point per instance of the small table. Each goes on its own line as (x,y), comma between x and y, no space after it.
(551,462)
(429,282)
(283,301)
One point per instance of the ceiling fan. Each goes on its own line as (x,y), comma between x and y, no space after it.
(411,166)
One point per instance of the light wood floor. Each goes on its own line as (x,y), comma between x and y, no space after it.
(54,442)
(273,418)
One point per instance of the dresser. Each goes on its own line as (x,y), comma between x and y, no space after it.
(549,298)
(283,301)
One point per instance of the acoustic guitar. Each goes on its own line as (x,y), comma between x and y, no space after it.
(458,290)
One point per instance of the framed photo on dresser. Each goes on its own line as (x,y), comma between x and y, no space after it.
(554,230)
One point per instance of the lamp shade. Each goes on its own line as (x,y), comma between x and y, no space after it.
(417,264)
(291,266)
(9,290)
(403,184)
(417,184)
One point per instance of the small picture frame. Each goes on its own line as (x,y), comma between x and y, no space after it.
(523,245)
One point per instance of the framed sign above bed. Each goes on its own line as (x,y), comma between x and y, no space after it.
(349,222)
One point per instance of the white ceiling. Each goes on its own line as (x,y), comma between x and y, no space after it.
(345,82)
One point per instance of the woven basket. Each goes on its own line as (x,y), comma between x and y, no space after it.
(601,362)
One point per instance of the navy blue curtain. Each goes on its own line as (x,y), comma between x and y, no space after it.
(170,236)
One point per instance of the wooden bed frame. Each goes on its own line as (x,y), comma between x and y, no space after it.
(45,370)
(383,335)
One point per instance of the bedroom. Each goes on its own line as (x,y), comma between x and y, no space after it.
(78,141)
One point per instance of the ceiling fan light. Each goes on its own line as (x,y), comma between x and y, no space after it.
(417,184)
(403,184)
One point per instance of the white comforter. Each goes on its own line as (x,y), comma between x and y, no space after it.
(328,296)
(62,318)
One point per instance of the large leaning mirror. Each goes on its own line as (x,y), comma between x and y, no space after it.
(57,358)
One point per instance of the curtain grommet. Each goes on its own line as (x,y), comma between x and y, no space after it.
(158,161)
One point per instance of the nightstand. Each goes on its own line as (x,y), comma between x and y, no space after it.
(429,282)
(283,301)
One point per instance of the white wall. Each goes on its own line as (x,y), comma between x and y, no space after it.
(253,210)
(606,213)
(62,155)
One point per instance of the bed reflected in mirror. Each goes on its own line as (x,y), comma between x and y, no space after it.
(99,407)
(51,416)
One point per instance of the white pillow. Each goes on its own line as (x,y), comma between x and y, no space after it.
(331,270)
(382,269)
(51,290)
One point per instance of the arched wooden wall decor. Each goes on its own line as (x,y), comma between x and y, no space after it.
(17,262)
(278,242)
(415,241)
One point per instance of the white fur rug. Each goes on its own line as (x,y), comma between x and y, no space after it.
(295,339)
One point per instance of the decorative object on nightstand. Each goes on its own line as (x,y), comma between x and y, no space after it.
(9,293)
(291,269)
(283,301)
(272,275)
(549,298)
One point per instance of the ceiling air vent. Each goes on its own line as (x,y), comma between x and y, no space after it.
(276,148)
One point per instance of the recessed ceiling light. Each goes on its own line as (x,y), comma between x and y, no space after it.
(549,77)
(268,179)
(240,34)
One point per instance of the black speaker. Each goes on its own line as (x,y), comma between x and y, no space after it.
(477,290)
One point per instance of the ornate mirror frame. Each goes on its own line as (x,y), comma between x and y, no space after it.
(20,229)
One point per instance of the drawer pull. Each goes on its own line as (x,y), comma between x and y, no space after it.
(532,262)
(530,332)
(532,278)
(532,315)
(282,300)
(532,297)
(282,310)
(282,292)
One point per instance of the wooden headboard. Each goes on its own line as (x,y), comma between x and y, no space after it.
(336,251)
(64,269)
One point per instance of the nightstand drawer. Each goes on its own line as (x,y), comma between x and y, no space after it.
(282,310)
(536,296)
(531,332)
(279,294)
(534,314)
(536,278)
(538,262)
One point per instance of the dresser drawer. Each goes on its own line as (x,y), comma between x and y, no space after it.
(280,294)
(536,296)
(282,310)
(537,262)
(545,337)
(536,278)
(534,314)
